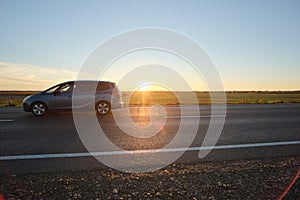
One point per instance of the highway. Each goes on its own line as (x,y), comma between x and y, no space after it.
(50,143)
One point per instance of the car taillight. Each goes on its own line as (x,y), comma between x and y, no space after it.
(117,93)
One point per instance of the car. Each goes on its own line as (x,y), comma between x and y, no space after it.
(106,96)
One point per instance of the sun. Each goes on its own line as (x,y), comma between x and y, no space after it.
(146,87)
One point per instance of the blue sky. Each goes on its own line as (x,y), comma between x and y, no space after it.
(254,44)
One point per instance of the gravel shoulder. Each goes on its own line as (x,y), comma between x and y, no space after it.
(244,179)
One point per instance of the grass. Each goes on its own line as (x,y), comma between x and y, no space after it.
(11,102)
(169,98)
(15,98)
(262,97)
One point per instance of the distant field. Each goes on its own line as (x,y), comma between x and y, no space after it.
(165,98)
(14,98)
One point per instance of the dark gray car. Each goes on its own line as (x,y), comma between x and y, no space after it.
(106,96)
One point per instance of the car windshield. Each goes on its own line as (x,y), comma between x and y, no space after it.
(52,89)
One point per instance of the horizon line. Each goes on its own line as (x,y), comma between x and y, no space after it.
(296,90)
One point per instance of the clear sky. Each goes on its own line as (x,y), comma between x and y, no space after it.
(254,44)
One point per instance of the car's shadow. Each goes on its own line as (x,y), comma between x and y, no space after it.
(63,115)
(64,120)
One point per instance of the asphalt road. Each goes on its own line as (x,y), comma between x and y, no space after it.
(250,131)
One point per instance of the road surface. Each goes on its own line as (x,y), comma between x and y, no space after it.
(51,143)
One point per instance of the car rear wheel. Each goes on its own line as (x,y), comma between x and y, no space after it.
(39,109)
(103,107)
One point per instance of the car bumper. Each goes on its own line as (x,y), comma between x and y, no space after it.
(26,107)
(117,105)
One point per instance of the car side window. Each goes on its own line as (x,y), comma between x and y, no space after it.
(81,87)
(103,86)
(65,88)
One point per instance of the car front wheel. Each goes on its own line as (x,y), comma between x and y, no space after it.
(39,109)
(103,107)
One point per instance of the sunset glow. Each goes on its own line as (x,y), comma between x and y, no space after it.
(251,51)
(151,87)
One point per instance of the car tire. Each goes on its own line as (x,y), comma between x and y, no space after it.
(103,107)
(38,108)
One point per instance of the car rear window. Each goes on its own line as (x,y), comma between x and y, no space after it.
(104,86)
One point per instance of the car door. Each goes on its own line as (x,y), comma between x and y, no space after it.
(62,97)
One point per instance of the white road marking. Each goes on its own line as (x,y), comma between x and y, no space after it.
(111,153)
(6,120)
(193,116)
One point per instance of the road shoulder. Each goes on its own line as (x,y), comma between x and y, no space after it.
(244,179)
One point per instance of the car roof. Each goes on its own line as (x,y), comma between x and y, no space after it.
(87,81)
